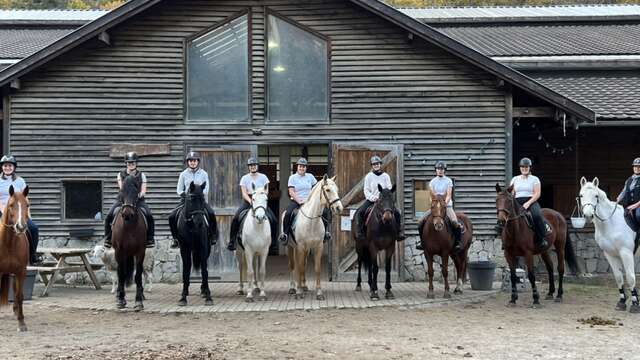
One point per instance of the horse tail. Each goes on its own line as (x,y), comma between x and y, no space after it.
(129,267)
(4,284)
(570,254)
(201,250)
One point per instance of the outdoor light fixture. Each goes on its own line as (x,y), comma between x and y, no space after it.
(279,68)
(273,45)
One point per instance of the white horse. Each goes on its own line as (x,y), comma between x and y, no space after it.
(308,231)
(256,240)
(614,237)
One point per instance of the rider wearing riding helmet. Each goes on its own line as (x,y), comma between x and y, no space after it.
(630,197)
(260,181)
(300,185)
(193,173)
(131,162)
(375,177)
(443,185)
(527,190)
(9,178)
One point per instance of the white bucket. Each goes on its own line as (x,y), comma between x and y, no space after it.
(578,222)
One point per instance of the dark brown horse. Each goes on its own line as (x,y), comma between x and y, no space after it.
(14,249)
(518,239)
(129,234)
(382,233)
(437,239)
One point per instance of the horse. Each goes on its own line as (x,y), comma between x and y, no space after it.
(129,234)
(614,237)
(14,247)
(308,231)
(256,240)
(519,240)
(436,238)
(382,234)
(195,248)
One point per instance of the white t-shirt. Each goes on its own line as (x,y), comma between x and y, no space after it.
(524,186)
(302,185)
(259,179)
(440,186)
(371,182)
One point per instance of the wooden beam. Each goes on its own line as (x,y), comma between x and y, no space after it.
(348,197)
(119,150)
(508,129)
(15,84)
(104,38)
(534,112)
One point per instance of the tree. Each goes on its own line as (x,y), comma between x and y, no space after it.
(78,5)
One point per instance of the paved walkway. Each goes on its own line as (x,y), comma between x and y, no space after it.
(163,298)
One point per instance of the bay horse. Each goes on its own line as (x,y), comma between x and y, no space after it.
(14,251)
(308,231)
(129,231)
(382,234)
(614,237)
(195,248)
(256,240)
(437,239)
(518,239)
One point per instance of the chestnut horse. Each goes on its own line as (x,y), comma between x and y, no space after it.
(382,234)
(129,234)
(14,250)
(518,239)
(437,239)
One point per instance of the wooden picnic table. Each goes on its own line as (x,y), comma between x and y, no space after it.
(49,271)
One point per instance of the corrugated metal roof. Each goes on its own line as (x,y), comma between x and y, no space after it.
(50,15)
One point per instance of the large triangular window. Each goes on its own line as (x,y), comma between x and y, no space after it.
(297,83)
(218,73)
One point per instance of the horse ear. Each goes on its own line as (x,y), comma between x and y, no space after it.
(393,188)
(324,178)
(596,182)
(379,187)
(25,192)
(583,181)
(498,188)
(510,189)
(253,186)
(203,185)
(333,179)
(11,190)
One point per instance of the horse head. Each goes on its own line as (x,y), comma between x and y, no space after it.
(438,210)
(129,195)
(330,195)
(259,199)
(590,196)
(387,203)
(504,204)
(16,212)
(195,204)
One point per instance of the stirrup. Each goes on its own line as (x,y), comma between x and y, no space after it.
(419,245)
(174,244)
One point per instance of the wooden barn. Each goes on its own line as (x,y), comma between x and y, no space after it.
(336,81)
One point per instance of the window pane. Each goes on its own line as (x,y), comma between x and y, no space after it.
(82,199)
(421,198)
(297,84)
(218,74)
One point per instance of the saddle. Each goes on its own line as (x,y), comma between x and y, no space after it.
(241,217)
(528,218)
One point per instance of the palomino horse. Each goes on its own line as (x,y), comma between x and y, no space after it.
(436,238)
(129,234)
(14,250)
(519,240)
(614,237)
(382,233)
(308,231)
(256,240)
(195,247)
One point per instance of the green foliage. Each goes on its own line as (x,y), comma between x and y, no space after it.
(60,4)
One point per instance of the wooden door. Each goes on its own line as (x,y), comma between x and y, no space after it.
(351,162)
(225,165)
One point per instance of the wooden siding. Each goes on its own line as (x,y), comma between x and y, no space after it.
(384,90)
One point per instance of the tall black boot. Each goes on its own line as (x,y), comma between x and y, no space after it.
(107,234)
(457,238)
(151,242)
(173,226)
(327,228)
(233,234)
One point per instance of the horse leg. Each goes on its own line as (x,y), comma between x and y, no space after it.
(387,281)
(445,275)
(511,260)
(242,270)
(560,257)
(114,281)
(18,298)
(121,303)
(204,286)
(549,265)
(139,289)
(317,253)
(185,253)
(263,273)
(359,281)
(531,274)
(374,275)
(616,268)
(292,270)
(630,277)
(458,261)
(300,255)
(248,258)
(304,260)
(430,293)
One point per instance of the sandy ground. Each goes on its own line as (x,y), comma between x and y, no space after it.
(484,330)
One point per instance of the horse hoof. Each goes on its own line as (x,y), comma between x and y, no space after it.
(305,288)
(374,296)
(138,307)
(121,304)
(240,292)
(320,297)
(358,288)
(536,305)
(292,291)
(249,300)
(182,302)
(621,306)
(203,295)
(389,295)
(634,309)
(262,298)
(558,299)
(457,292)
(511,304)
(22,328)
(447,295)
(431,295)
(208,302)
(549,297)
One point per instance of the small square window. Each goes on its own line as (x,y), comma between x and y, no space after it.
(421,198)
(82,200)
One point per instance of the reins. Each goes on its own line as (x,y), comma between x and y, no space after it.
(595,209)
(515,209)
(328,205)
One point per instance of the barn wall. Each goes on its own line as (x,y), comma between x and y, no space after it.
(384,90)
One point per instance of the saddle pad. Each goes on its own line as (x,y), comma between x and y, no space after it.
(368,215)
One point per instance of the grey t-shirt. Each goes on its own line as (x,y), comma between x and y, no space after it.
(440,185)
(259,179)
(302,185)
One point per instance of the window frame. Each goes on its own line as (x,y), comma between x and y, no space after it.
(63,199)
(185,69)
(270,12)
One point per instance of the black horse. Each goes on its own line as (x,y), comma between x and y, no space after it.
(382,232)
(194,243)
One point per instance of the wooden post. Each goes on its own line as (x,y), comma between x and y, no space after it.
(508,132)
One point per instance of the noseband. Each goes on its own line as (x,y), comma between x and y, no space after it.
(595,209)
(508,212)
(255,209)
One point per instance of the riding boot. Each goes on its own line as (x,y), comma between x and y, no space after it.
(231,246)
(107,234)
(286,228)
(151,242)
(34,258)
(419,244)
(398,218)
(457,238)
(325,221)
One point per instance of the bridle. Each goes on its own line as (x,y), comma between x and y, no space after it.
(441,217)
(189,215)
(254,209)
(518,214)
(329,202)
(595,208)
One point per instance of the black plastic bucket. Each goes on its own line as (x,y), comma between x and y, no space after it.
(481,274)
(27,287)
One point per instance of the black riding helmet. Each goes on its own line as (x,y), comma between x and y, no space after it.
(252,161)
(636,162)
(9,159)
(441,165)
(192,155)
(302,161)
(376,160)
(130,157)
(525,161)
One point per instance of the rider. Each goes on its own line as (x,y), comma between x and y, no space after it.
(193,173)
(630,197)
(131,161)
(443,185)
(260,180)
(8,178)
(375,177)
(527,189)
(300,185)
